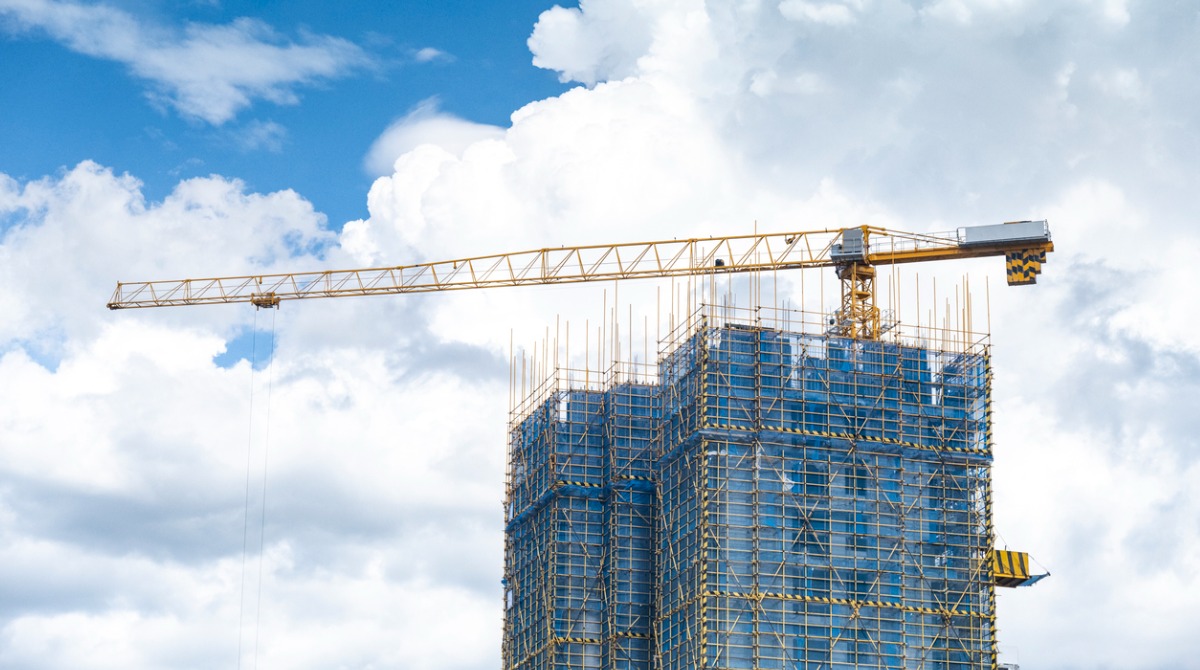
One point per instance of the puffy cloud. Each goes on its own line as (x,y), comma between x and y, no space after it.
(425,124)
(596,41)
(209,72)
(950,106)
(122,513)
(102,223)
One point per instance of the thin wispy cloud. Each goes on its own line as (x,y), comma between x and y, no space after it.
(430,55)
(203,71)
(259,136)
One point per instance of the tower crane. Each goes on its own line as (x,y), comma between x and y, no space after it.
(854,253)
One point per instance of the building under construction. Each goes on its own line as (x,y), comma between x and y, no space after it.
(768,496)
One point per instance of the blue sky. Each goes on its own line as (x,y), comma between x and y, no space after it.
(147,140)
(61,106)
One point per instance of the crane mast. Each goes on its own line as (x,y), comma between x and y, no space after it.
(852,252)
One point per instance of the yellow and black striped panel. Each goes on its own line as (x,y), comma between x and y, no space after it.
(1023,267)
(1010,568)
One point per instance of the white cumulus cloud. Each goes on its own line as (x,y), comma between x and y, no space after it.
(595,41)
(121,519)
(425,124)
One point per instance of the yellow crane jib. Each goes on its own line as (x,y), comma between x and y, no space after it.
(1011,569)
(853,252)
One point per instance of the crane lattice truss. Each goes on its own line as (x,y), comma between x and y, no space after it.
(854,252)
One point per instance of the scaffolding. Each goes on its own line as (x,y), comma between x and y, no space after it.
(775,497)
(580,515)
(633,411)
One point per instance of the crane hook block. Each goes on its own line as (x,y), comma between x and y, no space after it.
(265,300)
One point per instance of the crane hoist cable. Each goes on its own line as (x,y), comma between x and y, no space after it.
(263,499)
